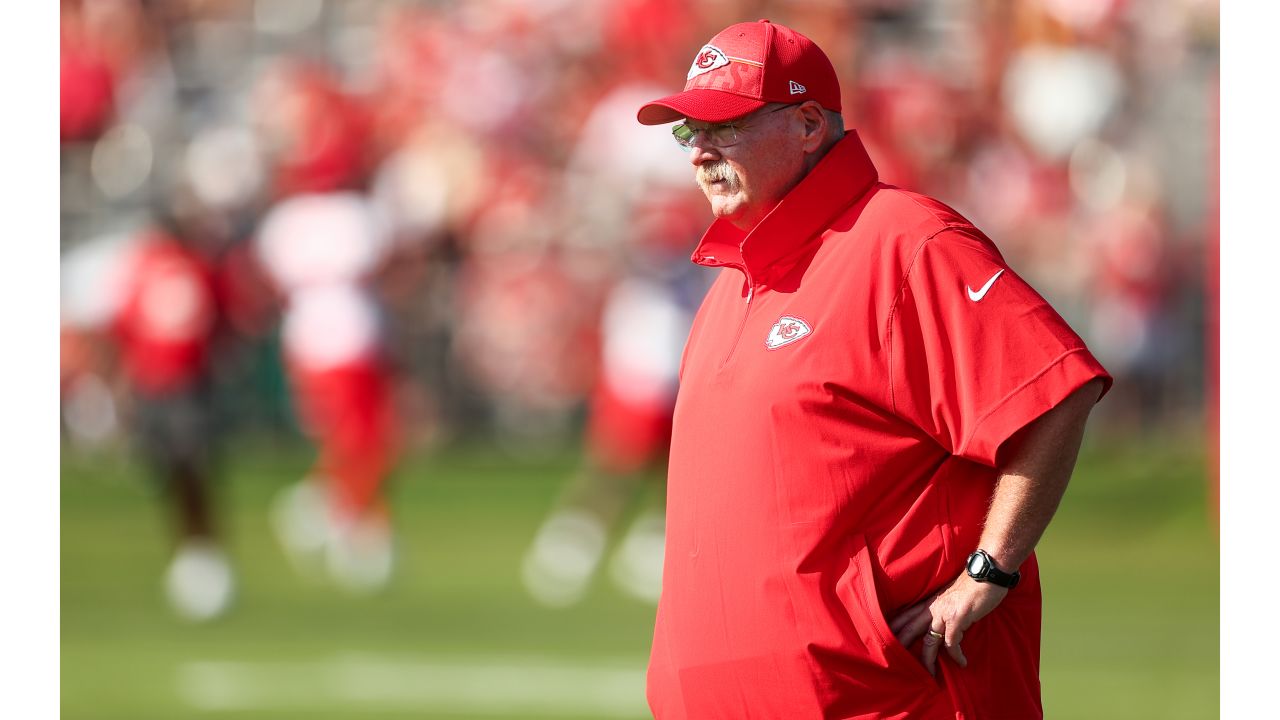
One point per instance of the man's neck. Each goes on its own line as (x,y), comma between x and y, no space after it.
(747,223)
(811,161)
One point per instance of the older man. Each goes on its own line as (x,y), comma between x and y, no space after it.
(876,421)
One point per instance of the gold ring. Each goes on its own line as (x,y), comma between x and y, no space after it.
(935,634)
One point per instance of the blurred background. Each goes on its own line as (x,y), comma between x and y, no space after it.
(371,309)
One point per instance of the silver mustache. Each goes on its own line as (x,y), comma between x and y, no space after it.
(714,171)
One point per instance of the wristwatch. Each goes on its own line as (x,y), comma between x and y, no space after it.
(983,569)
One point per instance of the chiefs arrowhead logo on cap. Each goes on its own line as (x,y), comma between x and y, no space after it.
(709,58)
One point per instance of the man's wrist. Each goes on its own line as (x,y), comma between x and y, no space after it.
(982,568)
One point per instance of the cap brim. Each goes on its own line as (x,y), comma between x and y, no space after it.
(712,106)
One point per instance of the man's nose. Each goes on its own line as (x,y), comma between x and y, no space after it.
(701,152)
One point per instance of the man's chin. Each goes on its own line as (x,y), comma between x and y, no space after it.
(726,207)
(724,213)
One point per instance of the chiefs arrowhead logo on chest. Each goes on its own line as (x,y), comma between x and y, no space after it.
(787,330)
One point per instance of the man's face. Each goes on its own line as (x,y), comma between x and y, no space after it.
(747,179)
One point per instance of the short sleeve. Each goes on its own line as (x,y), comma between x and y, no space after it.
(976,354)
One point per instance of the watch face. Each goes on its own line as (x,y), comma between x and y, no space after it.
(977,564)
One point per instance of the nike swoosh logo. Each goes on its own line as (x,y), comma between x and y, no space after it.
(976,296)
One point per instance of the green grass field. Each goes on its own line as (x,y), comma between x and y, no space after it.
(1130,572)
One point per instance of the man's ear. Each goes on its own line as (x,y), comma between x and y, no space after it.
(815,125)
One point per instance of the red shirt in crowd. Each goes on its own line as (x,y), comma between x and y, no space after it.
(845,390)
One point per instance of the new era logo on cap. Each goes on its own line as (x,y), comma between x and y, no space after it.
(797,88)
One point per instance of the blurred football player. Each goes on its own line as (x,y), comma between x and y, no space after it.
(318,249)
(643,326)
(165,330)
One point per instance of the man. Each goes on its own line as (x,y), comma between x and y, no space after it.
(875,423)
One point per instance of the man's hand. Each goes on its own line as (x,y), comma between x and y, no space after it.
(1034,467)
(948,613)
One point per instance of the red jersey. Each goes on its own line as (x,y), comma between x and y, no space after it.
(845,389)
(167,321)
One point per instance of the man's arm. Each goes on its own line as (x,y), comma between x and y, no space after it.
(1036,464)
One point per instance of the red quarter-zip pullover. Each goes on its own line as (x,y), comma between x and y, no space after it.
(844,391)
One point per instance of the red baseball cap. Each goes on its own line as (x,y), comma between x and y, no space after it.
(745,67)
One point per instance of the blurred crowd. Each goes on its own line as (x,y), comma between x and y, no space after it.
(431,202)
